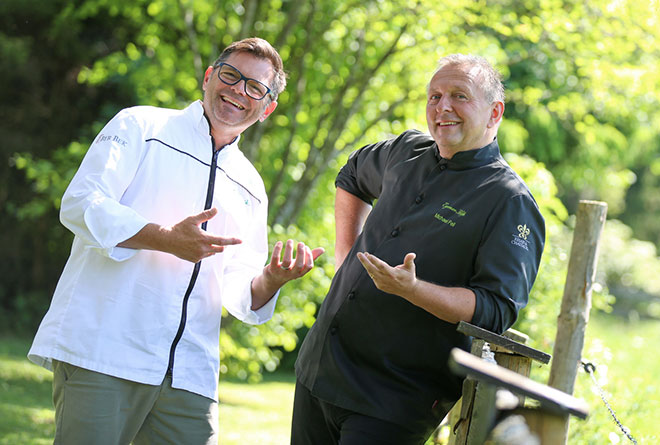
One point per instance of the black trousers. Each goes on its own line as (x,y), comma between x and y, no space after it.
(316,422)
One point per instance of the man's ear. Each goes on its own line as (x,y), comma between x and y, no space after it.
(269,109)
(496,113)
(207,77)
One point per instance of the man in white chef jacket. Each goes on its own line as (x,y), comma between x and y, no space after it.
(170,225)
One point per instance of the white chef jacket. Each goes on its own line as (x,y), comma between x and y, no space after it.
(117,310)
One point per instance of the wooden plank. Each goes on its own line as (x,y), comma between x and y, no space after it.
(461,414)
(551,399)
(483,415)
(502,341)
(516,336)
(515,362)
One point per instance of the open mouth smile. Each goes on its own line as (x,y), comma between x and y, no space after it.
(232,102)
(447,124)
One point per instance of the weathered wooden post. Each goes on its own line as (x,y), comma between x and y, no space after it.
(474,414)
(543,422)
(576,302)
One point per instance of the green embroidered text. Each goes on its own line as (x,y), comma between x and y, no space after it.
(449,222)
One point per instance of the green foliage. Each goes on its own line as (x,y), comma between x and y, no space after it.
(49,178)
(629,268)
(43,109)
(582,102)
(581,81)
(643,200)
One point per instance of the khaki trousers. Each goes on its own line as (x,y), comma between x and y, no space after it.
(93,408)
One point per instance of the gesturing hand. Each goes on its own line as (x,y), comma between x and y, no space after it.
(289,269)
(399,280)
(188,241)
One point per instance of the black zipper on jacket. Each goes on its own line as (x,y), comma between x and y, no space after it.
(193,278)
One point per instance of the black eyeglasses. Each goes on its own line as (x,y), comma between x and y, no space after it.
(231,76)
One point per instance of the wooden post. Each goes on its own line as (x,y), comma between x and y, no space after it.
(473,415)
(576,302)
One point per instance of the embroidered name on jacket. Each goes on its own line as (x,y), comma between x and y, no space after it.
(449,209)
(113,138)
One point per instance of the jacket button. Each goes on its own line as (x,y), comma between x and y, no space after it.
(395,233)
(351,295)
(419,199)
(333,330)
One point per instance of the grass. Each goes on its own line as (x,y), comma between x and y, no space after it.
(25,397)
(256,413)
(627,368)
(628,371)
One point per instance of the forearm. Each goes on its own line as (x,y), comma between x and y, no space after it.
(350,214)
(263,289)
(150,237)
(451,304)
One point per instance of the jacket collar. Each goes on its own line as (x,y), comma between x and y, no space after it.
(201,123)
(231,159)
(477,157)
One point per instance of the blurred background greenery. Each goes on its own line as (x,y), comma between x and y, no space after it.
(582,121)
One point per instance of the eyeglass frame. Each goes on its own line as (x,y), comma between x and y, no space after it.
(245,79)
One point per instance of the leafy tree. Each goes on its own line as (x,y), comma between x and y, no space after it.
(583,85)
(42,109)
(582,103)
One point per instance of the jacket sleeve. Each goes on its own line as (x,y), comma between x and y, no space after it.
(245,264)
(362,175)
(91,206)
(507,263)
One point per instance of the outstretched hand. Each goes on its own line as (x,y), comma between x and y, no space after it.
(286,268)
(398,280)
(281,270)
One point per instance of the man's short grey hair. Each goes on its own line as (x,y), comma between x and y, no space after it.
(492,80)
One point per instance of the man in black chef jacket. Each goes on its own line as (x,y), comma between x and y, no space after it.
(455,235)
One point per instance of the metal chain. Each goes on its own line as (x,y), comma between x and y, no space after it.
(590,368)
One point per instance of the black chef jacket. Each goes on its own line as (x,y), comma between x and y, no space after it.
(473,223)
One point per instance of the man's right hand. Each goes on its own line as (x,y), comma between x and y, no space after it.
(185,239)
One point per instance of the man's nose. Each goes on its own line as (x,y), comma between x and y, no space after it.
(239,87)
(444,104)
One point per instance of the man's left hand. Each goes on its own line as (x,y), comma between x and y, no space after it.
(286,268)
(398,280)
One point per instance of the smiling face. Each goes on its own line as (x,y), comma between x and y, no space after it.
(229,110)
(458,115)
